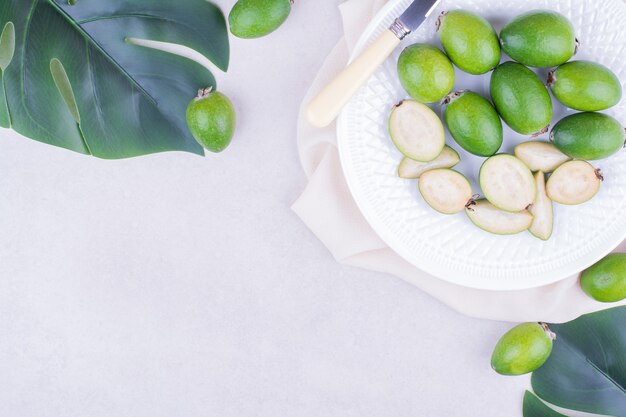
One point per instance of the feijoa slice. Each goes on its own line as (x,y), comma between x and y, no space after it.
(507,183)
(425,72)
(606,280)
(585,86)
(469,40)
(416,131)
(445,190)
(540,156)
(257,18)
(539,38)
(493,220)
(521,98)
(542,210)
(522,349)
(588,136)
(473,123)
(411,169)
(573,183)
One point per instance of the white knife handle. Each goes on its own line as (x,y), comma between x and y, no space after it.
(328,104)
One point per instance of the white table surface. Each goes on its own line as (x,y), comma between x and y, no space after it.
(172,285)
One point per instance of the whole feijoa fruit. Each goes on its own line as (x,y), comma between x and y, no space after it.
(257,18)
(211,120)
(588,136)
(585,86)
(606,280)
(522,349)
(539,38)
(425,72)
(521,98)
(469,40)
(473,123)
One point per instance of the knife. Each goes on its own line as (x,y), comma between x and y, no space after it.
(328,104)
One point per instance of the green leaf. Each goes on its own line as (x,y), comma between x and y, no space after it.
(7,50)
(534,407)
(587,368)
(75,81)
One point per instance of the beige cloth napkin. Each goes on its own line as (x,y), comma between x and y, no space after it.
(328,209)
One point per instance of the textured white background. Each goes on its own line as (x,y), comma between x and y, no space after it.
(173,285)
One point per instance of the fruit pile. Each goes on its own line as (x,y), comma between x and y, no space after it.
(515,198)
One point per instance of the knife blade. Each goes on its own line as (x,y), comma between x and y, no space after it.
(329,102)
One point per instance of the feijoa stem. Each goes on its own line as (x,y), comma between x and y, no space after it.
(546,329)
(472,202)
(204,92)
(440,20)
(452,96)
(551,79)
(599,174)
(541,132)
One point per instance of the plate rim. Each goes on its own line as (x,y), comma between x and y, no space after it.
(443,273)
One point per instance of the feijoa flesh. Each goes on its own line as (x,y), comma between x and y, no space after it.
(445,190)
(507,183)
(542,210)
(585,86)
(588,136)
(416,131)
(257,18)
(522,349)
(411,169)
(493,220)
(606,280)
(539,38)
(469,40)
(573,183)
(473,123)
(425,72)
(211,119)
(540,156)
(521,98)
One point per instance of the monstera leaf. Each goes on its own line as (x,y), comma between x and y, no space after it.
(534,407)
(587,368)
(73,75)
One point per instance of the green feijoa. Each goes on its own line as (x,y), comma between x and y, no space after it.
(585,86)
(588,136)
(521,98)
(425,72)
(469,40)
(522,349)
(211,120)
(606,280)
(539,38)
(257,18)
(473,123)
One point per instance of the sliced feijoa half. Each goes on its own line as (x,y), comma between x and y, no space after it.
(540,156)
(411,169)
(416,131)
(574,182)
(542,211)
(445,190)
(507,183)
(493,220)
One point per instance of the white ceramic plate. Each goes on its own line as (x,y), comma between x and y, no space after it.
(451,247)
